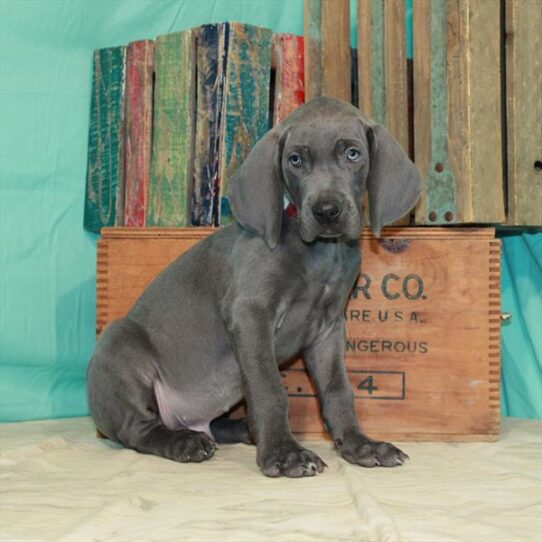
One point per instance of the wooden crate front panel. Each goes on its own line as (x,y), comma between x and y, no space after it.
(423,343)
(423,327)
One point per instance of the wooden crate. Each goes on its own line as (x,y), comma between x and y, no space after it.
(453,127)
(423,327)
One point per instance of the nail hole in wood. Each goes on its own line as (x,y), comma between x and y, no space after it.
(538,165)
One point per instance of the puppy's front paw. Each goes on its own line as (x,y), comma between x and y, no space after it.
(363,451)
(291,460)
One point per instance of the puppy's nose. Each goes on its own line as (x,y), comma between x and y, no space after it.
(327,211)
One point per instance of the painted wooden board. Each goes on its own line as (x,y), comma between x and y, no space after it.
(327,49)
(312,49)
(421,71)
(423,327)
(382,68)
(139,95)
(457,111)
(211,58)
(245,107)
(287,60)
(170,188)
(365,72)
(104,198)
(524,111)
(396,72)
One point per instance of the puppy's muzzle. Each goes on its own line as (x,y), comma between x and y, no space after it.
(327,212)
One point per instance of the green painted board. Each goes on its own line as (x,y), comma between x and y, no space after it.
(378,69)
(440,184)
(245,107)
(457,111)
(170,186)
(104,198)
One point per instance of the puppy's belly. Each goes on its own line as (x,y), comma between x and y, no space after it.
(195,408)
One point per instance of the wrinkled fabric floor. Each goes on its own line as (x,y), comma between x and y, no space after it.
(59,482)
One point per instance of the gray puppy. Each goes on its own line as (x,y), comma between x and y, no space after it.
(216,324)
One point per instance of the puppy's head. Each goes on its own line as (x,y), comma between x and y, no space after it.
(324,157)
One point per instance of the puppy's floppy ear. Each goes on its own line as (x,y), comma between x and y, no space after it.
(256,190)
(394,182)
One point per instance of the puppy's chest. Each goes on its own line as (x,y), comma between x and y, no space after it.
(313,306)
(327,297)
(330,282)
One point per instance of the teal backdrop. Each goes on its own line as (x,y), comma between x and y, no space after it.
(47,288)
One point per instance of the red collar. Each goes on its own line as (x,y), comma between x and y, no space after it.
(291,210)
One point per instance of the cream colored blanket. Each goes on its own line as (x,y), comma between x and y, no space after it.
(59,482)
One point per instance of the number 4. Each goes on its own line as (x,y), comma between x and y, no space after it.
(368,385)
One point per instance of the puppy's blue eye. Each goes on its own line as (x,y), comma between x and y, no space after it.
(295,160)
(353,155)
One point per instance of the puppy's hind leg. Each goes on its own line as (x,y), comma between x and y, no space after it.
(231,431)
(122,399)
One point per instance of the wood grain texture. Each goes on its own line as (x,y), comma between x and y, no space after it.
(287,60)
(383,94)
(139,95)
(245,107)
(421,65)
(524,111)
(378,69)
(441,184)
(396,91)
(211,58)
(336,74)
(457,110)
(327,49)
(364,30)
(388,233)
(313,48)
(104,198)
(170,188)
(483,199)
(412,380)
(396,71)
